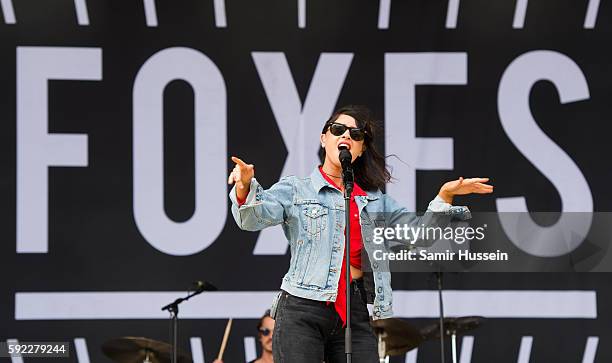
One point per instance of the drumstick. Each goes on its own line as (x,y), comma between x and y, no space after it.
(228,328)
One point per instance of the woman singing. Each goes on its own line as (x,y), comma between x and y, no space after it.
(310,310)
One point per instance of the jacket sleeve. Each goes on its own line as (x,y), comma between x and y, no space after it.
(263,208)
(438,216)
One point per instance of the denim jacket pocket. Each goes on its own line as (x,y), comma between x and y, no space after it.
(314,220)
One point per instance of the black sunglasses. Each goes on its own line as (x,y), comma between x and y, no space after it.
(265,332)
(338,129)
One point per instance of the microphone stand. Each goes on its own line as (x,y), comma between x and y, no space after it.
(348,181)
(441,306)
(173,309)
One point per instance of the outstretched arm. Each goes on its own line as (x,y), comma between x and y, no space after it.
(464,186)
(440,210)
(254,208)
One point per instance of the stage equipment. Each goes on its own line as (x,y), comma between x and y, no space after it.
(141,350)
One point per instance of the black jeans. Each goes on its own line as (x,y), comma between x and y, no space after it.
(310,331)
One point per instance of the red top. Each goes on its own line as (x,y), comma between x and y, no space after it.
(356,246)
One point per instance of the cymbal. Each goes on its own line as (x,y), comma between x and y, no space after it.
(137,349)
(457,326)
(398,335)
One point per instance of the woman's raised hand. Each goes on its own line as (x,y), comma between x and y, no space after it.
(241,175)
(464,186)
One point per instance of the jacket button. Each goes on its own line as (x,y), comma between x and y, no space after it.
(332,270)
(380,290)
(375,265)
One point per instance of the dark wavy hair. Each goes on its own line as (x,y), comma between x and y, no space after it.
(370,169)
(260,322)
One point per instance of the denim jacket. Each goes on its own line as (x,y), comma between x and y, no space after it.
(311,213)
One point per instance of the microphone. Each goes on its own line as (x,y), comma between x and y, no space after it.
(201,286)
(347,170)
(345,157)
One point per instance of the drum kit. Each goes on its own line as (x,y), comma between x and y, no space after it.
(395,337)
(141,350)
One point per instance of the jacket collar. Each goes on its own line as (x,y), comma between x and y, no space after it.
(318,182)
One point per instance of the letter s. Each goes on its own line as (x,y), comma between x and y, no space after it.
(556,165)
